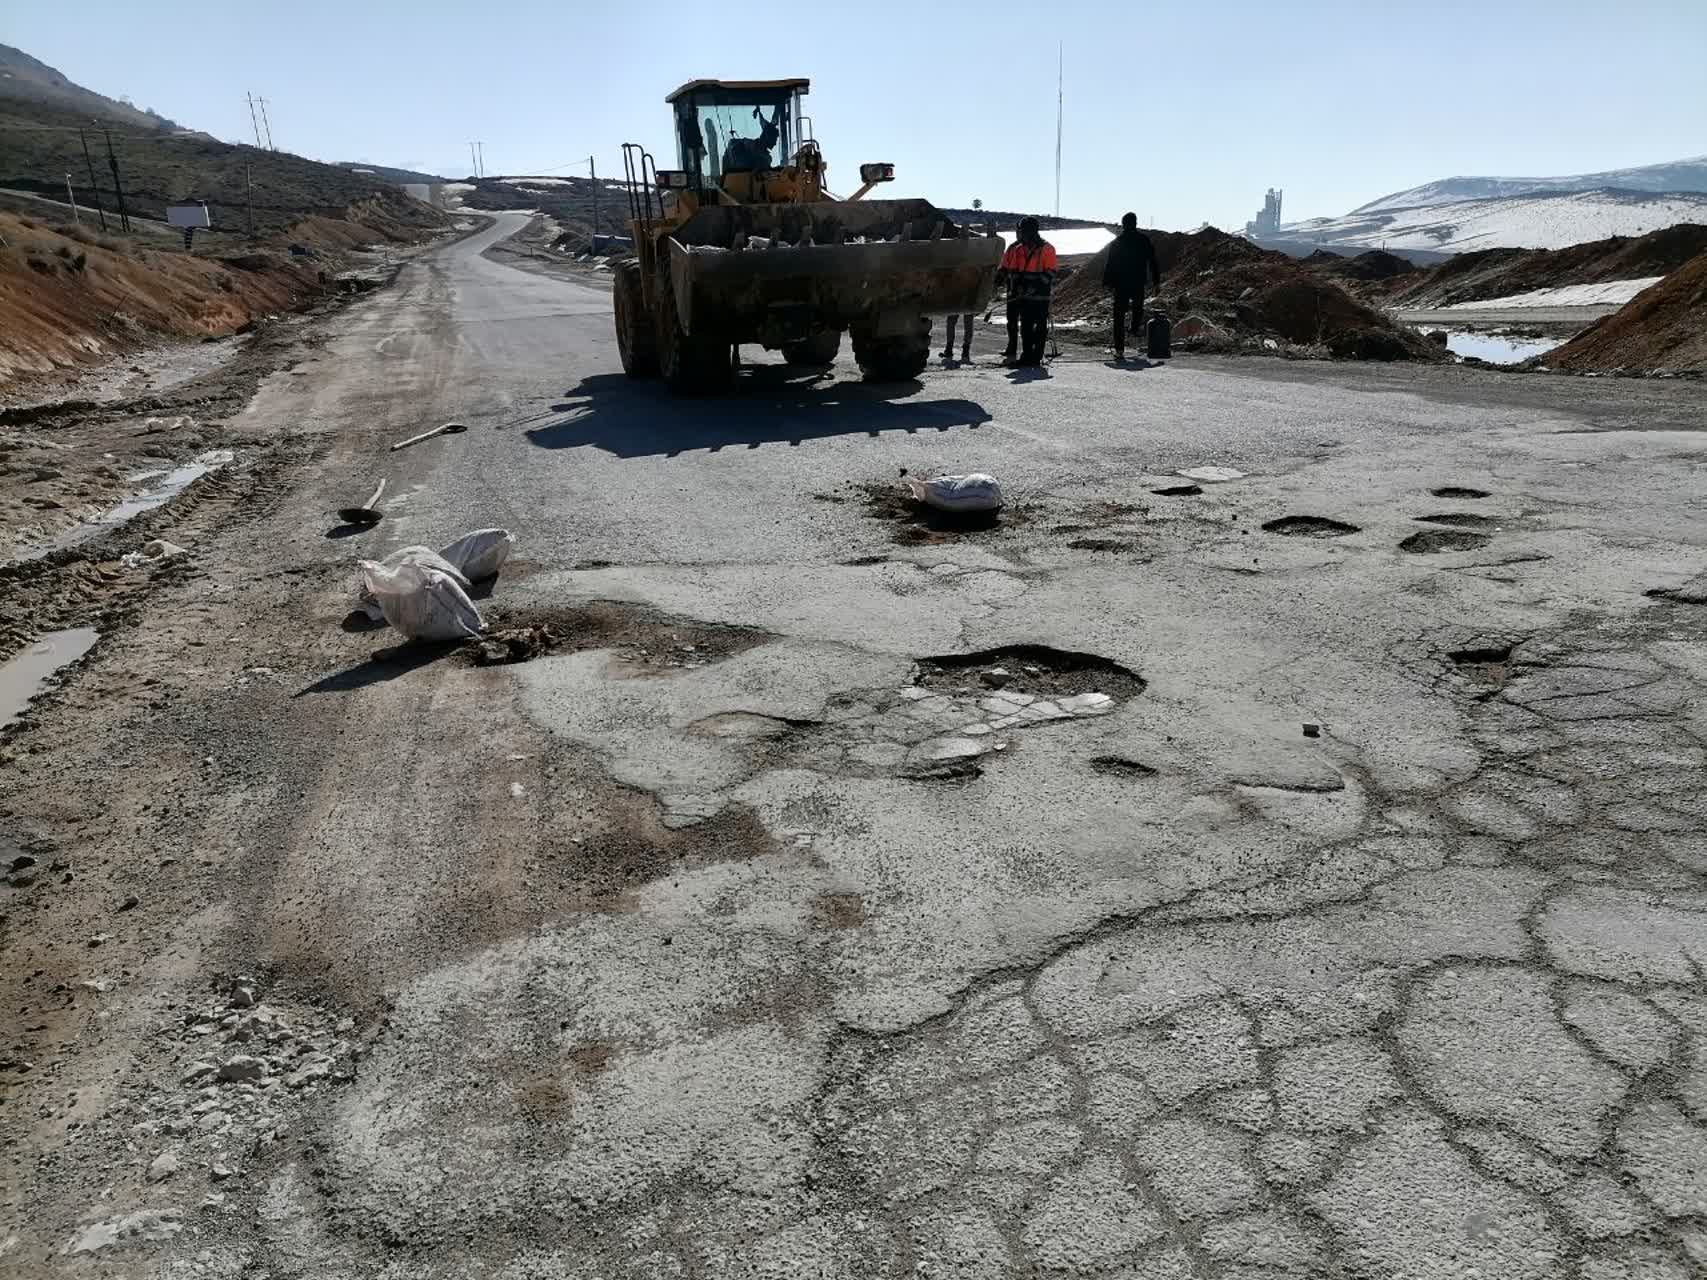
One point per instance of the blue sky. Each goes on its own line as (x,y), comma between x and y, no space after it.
(1183,112)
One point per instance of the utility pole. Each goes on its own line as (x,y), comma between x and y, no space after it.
(118,183)
(473,168)
(94,187)
(267,124)
(481,166)
(593,169)
(249,200)
(72,197)
(1060,81)
(254,123)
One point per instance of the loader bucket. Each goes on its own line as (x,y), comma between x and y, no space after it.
(828,265)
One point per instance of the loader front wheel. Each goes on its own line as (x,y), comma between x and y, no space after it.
(635,341)
(819,349)
(692,364)
(897,358)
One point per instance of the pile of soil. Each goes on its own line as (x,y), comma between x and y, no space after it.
(1500,273)
(1662,328)
(1226,293)
(1377,266)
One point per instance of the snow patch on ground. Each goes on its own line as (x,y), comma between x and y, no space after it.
(1070,240)
(1614,293)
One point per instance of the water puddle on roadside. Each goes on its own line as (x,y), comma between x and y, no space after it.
(1498,348)
(24,676)
(171,484)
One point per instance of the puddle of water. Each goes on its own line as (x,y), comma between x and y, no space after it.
(171,484)
(1497,348)
(22,678)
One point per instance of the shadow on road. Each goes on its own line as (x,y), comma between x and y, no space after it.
(383,665)
(772,404)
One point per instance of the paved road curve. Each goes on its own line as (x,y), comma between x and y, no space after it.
(1302,878)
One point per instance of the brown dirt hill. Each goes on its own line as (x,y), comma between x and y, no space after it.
(1225,292)
(1663,327)
(70,297)
(1499,273)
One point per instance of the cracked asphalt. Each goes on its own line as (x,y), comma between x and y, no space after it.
(1274,894)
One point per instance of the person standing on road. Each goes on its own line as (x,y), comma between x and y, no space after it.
(1130,256)
(1029,267)
(966,233)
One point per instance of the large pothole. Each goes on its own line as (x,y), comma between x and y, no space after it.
(1309,527)
(1458,491)
(1040,670)
(646,642)
(1435,541)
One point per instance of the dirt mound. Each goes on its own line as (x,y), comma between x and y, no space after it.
(1663,327)
(1500,273)
(1375,265)
(1233,294)
(69,297)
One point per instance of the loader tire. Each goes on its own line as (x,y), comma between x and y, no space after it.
(692,364)
(819,349)
(893,359)
(635,340)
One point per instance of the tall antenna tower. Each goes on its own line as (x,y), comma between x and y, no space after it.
(1060,65)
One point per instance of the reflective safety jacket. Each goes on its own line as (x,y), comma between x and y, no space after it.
(1030,272)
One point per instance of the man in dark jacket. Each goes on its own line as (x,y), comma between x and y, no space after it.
(1130,257)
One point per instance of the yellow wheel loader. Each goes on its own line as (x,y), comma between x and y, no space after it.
(744,243)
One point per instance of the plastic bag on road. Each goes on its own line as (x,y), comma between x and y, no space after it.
(959,494)
(423,603)
(480,554)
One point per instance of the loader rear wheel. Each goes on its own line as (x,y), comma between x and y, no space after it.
(898,358)
(692,364)
(819,349)
(635,341)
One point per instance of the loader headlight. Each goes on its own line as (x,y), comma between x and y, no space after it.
(877,173)
(673,179)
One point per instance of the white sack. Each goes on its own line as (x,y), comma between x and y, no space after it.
(422,603)
(965,494)
(480,554)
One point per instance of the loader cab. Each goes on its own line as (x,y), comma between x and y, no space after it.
(731,134)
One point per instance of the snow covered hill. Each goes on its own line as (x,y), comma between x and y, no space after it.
(1678,175)
(1537,220)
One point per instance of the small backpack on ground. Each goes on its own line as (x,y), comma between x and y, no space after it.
(1158,337)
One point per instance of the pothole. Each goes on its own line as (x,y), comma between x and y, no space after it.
(1458,491)
(646,642)
(860,562)
(1691,592)
(1099,544)
(1460,519)
(1036,669)
(1309,527)
(1121,766)
(1486,663)
(917,523)
(1178,491)
(1434,541)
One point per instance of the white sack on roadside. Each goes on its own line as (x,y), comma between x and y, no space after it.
(970,493)
(423,603)
(480,554)
(425,557)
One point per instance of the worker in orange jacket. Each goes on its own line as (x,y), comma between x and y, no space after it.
(1028,268)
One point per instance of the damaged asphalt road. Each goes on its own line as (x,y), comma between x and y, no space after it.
(794,891)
